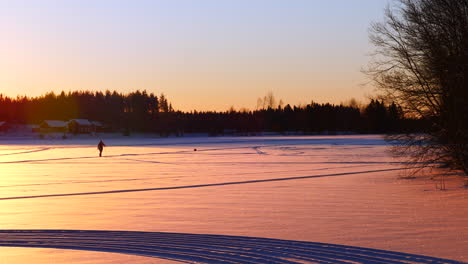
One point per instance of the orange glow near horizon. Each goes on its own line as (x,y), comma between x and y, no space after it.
(202,91)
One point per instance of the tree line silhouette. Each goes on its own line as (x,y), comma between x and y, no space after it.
(140,111)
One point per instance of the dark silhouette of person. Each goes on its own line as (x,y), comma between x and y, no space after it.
(100,147)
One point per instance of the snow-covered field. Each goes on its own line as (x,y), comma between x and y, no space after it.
(329,189)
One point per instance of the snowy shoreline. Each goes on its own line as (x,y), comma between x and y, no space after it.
(119,140)
(115,135)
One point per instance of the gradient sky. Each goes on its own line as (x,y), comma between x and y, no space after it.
(203,54)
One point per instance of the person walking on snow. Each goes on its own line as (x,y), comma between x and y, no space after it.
(100,147)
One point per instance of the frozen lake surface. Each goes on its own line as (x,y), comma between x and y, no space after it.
(328,189)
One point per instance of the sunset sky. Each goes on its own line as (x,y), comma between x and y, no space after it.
(203,54)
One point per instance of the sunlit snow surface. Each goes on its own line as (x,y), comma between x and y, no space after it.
(340,190)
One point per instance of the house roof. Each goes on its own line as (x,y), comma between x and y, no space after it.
(31,126)
(81,122)
(55,123)
(96,123)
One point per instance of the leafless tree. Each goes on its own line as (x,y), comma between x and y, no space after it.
(421,63)
(270,100)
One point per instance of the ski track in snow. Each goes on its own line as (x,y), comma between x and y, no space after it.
(260,152)
(197,248)
(170,177)
(255,148)
(25,152)
(195,186)
(118,155)
(266,143)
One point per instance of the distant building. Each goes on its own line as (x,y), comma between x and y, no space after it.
(53,126)
(97,126)
(20,128)
(80,126)
(31,128)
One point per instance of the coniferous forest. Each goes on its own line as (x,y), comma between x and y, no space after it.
(140,111)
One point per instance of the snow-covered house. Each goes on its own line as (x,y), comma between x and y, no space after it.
(21,128)
(53,126)
(80,126)
(97,126)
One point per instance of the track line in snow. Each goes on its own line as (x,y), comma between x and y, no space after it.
(190,151)
(260,152)
(170,177)
(198,248)
(195,186)
(25,152)
(120,155)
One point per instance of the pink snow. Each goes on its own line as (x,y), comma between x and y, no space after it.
(330,189)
